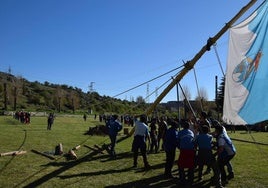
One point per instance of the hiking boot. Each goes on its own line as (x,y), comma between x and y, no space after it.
(230,176)
(169,175)
(207,171)
(147,167)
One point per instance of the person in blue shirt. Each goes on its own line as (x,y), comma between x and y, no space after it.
(114,126)
(187,153)
(204,144)
(170,146)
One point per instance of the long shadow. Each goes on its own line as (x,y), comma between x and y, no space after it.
(97,173)
(160,181)
(65,166)
(152,182)
(156,181)
(92,157)
(113,171)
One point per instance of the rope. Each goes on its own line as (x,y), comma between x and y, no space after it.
(218,58)
(158,88)
(187,101)
(139,85)
(147,82)
(256,144)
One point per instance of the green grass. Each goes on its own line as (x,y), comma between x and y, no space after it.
(95,170)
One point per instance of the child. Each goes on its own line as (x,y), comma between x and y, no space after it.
(187,153)
(170,145)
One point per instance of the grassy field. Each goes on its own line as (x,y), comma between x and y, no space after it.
(96,170)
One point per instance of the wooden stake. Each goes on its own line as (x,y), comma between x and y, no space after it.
(72,155)
(13,153)
(76,147)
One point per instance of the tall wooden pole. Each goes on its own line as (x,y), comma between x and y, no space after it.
(190,64)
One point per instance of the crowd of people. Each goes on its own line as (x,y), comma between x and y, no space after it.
(198,146)
(23,117)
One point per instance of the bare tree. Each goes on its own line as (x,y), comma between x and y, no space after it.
(5,96)
(140,100)
(16,82)
(201,99)
(185,94)
(202,94)
(74,100)
(59,97)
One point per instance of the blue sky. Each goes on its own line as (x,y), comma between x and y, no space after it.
(117,44)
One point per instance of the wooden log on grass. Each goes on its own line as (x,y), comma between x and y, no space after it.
(76,147)
(59,149)
(72,155)
(13,153)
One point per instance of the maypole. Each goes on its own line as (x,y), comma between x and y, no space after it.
(190,64)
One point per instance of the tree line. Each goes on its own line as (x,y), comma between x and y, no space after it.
(17,93)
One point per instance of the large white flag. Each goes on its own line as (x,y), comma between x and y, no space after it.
(246,80)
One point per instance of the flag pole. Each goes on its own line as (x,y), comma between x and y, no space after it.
(190,64)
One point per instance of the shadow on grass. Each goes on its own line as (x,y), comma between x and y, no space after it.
(90,157)
(113,171)
(160,181)
(65,166)
(156,181)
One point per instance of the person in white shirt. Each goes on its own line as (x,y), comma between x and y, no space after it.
(141,133)
(226,150)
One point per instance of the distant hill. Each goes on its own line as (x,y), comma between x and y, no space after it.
(17,93)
